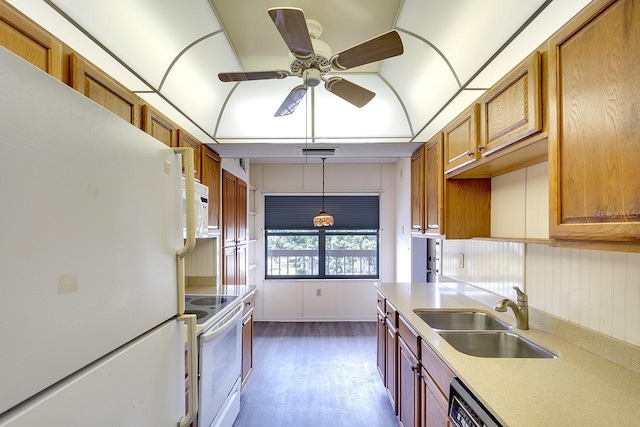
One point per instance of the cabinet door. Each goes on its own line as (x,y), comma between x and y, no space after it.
(435,404)
(408,386)
(417,190)
(247,346)
(229,197)
(241,265)
(512,109)
(210,175)
(186,140)
(461,139)
(434,195)
(21,36)
(229,266)
(161,128)
(593,132)
(391,365)
(102,89)
(381,333)
(241,211)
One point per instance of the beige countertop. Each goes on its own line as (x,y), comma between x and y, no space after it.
(576,389)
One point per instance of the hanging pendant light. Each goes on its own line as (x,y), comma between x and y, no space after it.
(323,219)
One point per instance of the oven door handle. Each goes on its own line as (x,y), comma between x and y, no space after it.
(226,321)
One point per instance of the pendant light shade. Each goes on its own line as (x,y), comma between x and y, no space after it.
(323,219)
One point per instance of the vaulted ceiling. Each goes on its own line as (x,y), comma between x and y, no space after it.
(170,52)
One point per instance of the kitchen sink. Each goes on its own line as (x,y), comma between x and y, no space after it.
(463,320)
(499,344)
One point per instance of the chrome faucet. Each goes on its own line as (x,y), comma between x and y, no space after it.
(521,309)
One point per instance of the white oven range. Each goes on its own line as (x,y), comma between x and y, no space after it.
(219,357)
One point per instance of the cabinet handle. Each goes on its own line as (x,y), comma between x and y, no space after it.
(470,153)
(481,147)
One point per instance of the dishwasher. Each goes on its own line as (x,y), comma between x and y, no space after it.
(465,410)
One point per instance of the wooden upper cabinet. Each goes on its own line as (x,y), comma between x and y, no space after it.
(186,140)
(21,36)
(210,175)
(434,195)
(512,109)
(461,138)
(102,89)
(417,190)
(594,136)
(234,210)
(161,128)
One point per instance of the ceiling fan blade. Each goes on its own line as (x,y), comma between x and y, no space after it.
(292,25)
(292,101)
(350,92)
(254,75)
(384,46)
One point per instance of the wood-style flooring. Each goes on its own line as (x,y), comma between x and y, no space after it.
(315,374)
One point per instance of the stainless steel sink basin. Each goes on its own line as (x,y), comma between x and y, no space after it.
(461,320)
(498,344)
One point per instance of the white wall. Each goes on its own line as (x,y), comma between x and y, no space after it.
(296,300)
(403,220)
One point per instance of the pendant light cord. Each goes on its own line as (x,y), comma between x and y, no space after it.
(323,159)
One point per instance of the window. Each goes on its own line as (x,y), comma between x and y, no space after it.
(296,249)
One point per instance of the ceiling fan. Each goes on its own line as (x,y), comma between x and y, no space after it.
(312,59)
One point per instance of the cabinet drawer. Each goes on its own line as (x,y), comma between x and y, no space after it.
(248,303)
(409,336)
(380,301)
(391,313)
(436,368)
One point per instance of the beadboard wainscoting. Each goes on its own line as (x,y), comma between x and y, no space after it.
(598,290)
(494,266)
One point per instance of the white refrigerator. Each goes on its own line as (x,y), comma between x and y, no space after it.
(90,277)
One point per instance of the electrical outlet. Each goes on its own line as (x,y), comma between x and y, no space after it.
(461,260)
(318,292)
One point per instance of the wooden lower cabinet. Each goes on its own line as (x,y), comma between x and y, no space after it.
(433,404)
(408,375)
(408,386)
(381,332)
(247,336)
(436,377)
(391,355)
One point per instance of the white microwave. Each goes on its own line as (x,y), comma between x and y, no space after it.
(202,209)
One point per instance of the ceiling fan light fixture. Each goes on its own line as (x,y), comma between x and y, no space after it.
(312,77)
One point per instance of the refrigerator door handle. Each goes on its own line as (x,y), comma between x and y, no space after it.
(190,320)
(190,241)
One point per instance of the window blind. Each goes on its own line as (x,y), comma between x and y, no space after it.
(297,212)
